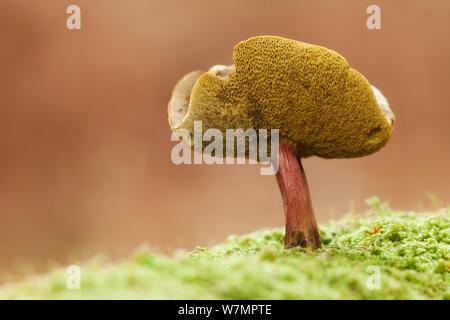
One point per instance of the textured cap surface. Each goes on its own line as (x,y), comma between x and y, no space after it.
(320,105)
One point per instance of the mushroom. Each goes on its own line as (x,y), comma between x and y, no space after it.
(321,106)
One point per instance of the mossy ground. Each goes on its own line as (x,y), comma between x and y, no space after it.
(411,250)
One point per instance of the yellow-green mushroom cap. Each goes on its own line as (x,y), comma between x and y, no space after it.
(319,103)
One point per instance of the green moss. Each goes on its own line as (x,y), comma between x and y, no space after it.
(411,250)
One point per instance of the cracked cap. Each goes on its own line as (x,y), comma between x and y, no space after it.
(321,106)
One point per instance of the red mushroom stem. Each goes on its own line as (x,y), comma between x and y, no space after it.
(301,226)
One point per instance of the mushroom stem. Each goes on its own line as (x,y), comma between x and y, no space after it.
(301,226)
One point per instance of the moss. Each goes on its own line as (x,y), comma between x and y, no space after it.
(320,105)
(411,250)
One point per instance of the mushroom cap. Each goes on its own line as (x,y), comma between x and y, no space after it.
(320,105)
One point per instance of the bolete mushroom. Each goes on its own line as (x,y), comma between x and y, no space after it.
(321,106)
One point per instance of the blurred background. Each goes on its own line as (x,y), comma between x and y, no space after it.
(85,146)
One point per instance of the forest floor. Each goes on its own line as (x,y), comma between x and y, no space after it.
(381,254)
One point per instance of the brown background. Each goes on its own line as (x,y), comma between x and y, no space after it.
(85,146)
